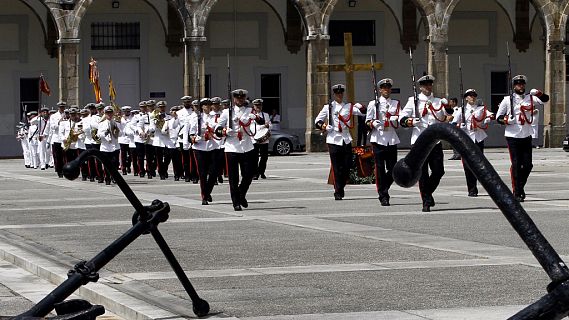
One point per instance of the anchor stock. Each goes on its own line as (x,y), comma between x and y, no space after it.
(554,305)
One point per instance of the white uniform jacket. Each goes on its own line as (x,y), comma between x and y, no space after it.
(389,121)
(109,141)
(171,130)
(238,139)
(206,140)
(125,135)
(476,121)
(431,112)
(54,127)
(340,121)
(94,124)
(65,128)
(524,116)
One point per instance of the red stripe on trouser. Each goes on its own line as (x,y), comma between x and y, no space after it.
(512,171)
(202,183)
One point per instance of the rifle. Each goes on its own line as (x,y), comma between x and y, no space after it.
(374,80)
(330,100)
(461,91)
(199,111)
(510,80)
(230,108)
(415,99)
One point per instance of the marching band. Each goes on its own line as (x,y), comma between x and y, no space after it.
(208,139)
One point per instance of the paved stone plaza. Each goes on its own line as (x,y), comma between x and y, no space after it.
(295,253)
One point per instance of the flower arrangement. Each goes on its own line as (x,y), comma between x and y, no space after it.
(362,170)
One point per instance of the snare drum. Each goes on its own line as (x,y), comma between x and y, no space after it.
(263,134)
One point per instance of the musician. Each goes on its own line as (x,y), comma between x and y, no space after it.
(171,129)
(56,148)
(96,143)
(150,148)
(201,132)
(239,150)
(159,140)
(42,135)
(262,122)
(431,110)
(520,130)
(125,137)
(140,136)
(335,119)
(50,163)
(382,118)
(22,136)
(87,120)
(477,117)
(33,138)
(184,114)
(109,133)
(81,146)
(69,131)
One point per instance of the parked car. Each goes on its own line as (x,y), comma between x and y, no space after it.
(282,143)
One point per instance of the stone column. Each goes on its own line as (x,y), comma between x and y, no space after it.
(194,66)
(555,112)
(69,70)
(317,89)
(438,66)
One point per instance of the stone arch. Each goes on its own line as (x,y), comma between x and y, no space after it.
(44,24)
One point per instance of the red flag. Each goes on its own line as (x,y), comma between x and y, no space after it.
(44,87)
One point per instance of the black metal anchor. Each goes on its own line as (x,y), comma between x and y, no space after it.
(145,220)
(407,171)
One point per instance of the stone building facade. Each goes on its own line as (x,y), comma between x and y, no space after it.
(183,48)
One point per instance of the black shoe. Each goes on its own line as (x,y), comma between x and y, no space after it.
(430,200)
(204,202)
(92,179)
(108,182)
(426,208)
(208,198)
(187,179)
(128,169)
(337,196)
(237,208)
(142,174)
(82,178)
(149,176)
(195,181)
(136,174)
(60,175)
(519,199)
(162,177)
(384,202)
(42,168)
(176,178)
(256,177)
(220,179)
(27,165)
(263,176)
(244,203)
(124,173)
(100,180)
(473,194)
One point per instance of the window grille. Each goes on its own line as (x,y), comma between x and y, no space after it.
(115,35)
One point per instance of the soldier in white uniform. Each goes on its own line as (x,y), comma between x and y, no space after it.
(183,115)
(382,118)
(159,141)
(50,161)
(140,136)
(96,143)
(171,130)
(33,138)
(520,130)
(42,135)
(125,137)
(261,147)
(336,119)
(217,108)
(81,145)
(22,136)
(235,126)
(477,117)
(431,110)
(275,120)
(109,133)
(201,132)
(56,148)
(149,120)
(69,131)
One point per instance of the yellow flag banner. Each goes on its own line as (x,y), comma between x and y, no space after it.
(112,92)
(94,79)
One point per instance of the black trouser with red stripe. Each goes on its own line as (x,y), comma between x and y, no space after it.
(150,159)
(95,166)
(220,162)
(176,157)
(521,158)
(114,157)
(429,183)
(247,162)
(125,157)
(162,160)
(140,152)
(385,159)
(207,171)
(262,150)
(341,159)
(470,177)
(57,151)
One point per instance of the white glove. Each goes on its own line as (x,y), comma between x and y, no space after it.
(229,131)
(444,101)
(235,118)
(252,116)
(511,119)
(487,120)
(197,138)
(463,125)
(393,118)
(416,122)
(358,105)
(329,128)
(535,92)
(535,111)
(376,124)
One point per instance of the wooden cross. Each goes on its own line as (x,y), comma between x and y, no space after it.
(349,68)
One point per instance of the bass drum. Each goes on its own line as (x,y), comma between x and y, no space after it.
(263,134)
